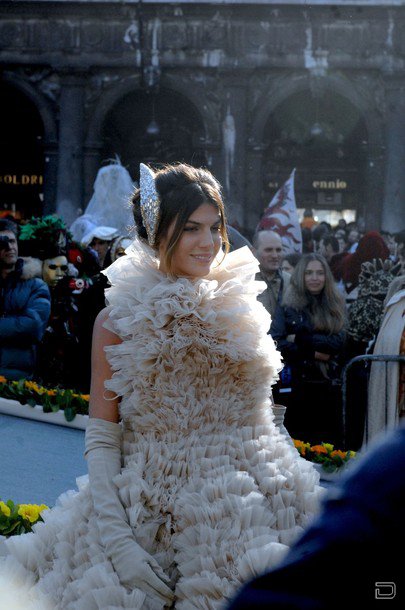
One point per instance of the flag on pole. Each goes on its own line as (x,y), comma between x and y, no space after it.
(281,217)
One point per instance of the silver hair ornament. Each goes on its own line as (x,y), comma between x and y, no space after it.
(149,202)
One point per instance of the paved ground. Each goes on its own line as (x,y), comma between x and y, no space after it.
(39,461)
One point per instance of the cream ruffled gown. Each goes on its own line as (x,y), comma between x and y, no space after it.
(212,489)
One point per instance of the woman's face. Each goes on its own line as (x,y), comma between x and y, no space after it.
(343,243)
(198,245)
(314,277)
(286,266)
(100,246)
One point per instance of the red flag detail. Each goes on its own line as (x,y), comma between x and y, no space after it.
(281,216)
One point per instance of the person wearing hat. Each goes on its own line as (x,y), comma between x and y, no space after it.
(100,239)
(45,240)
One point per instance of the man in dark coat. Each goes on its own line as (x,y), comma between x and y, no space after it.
(24,309)
(329,248)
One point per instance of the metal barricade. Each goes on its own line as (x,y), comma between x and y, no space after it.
(358,359)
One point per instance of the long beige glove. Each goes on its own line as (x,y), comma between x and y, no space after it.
(134,566)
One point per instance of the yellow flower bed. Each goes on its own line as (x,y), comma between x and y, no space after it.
(51,399)
(325,454)
(19,518)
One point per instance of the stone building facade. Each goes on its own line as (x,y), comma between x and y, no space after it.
(251,90)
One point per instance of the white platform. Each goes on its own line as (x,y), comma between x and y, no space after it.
(12,407)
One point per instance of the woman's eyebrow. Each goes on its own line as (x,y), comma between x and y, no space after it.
(199,223)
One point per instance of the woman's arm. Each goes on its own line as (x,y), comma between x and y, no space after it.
(329,344)
(103,403)
(133,565)
(283,334)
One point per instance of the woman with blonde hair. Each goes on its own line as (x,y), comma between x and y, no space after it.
(308,329)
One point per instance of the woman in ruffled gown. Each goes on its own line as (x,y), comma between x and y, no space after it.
(192,489)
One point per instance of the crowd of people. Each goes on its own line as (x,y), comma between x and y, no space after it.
(52,289)
(328,305)
(193,487)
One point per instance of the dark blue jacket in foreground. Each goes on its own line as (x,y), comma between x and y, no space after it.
(25,306)
(353,554)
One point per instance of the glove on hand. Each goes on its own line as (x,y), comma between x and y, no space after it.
(134,566)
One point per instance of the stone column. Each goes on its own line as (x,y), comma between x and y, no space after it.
(91,165)
(374,191)
(254,180)
(70,162)
(393,218)
(50,177)
(213,153)
(234,150)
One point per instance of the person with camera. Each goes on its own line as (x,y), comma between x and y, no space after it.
(24,308)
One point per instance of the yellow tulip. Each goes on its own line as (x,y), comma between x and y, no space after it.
(4,509)
(29,512)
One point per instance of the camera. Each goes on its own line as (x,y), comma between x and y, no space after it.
(4,242)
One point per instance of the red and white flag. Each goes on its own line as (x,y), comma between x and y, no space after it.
(281,217)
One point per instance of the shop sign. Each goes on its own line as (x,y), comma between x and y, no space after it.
(330,185)
(21,179)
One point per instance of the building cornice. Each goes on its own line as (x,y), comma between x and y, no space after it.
(301,3)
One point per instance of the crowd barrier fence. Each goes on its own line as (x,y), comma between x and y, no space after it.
(366,360)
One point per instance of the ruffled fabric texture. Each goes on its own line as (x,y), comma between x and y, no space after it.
(188,342)
(211,488)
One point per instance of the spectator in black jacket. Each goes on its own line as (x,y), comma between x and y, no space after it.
(308,329)
(329,248)
(24,308)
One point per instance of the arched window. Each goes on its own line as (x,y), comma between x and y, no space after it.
(324,136)
(21,155)
(153,128)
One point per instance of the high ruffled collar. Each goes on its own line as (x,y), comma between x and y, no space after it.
(141,260)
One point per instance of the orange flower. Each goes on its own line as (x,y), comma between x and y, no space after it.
(339,453)
(319,449)
(301,447)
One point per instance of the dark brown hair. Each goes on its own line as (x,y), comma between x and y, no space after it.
(8,225)
(182,189)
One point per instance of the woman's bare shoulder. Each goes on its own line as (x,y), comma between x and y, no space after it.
(103,403)
(101,333)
